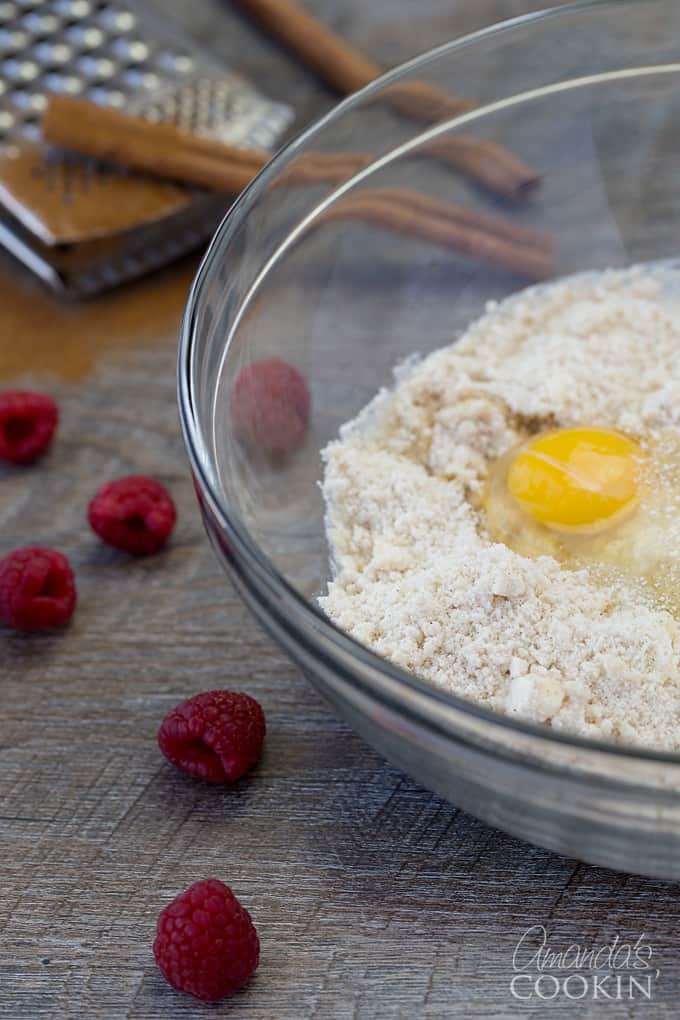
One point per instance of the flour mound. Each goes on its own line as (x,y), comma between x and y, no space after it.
(417,577)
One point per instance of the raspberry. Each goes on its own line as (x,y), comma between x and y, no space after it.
(135,514)
(216,736)
(206,943)
(27,424)
(270,405)
(37,588)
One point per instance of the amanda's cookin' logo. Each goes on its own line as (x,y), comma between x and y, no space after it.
(616,970)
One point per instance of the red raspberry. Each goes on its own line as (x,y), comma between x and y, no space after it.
(135,514)
(206,943)
(27,424)
(37,588)
(270,405)
(215,736)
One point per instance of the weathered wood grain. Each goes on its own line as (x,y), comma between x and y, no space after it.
(373,898)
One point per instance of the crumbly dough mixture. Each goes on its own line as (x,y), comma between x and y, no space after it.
(416,575)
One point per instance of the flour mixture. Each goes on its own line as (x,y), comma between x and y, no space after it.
(505,521)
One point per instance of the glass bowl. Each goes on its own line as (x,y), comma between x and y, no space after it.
(587,99)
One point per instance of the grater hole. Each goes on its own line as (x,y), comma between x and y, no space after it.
(97,67)
(67,84)
(53,54)
(21,70)
(114,19)
(28,103)
(131,51)
(175,62)
(40,24)
(107,97)
(86,37)
(73,8)
(137,78)
(12,42)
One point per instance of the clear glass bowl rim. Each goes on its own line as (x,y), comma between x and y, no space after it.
(309,624)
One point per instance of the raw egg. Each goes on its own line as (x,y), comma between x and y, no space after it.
(576,478)
(594,496)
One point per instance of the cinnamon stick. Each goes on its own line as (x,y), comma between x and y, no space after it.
(489,223)
(344,67)
(323,167)
(166,151)
(156,148)
(414,222)
(487,162)
(347,69)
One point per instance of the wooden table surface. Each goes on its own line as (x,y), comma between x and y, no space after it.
(373,898)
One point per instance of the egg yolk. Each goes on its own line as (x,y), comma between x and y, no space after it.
(577,479)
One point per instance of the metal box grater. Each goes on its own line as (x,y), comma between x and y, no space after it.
(81,226)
